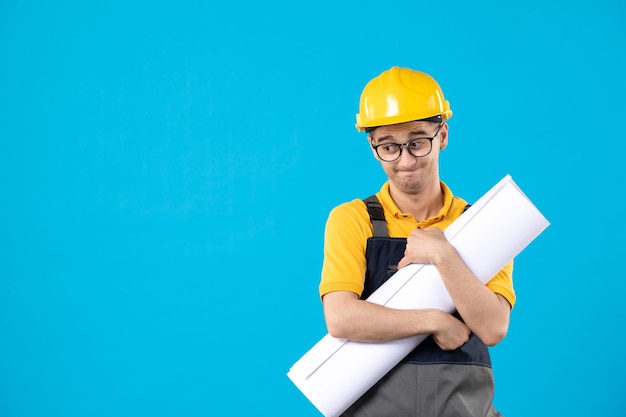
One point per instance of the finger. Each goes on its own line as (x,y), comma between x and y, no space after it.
(403,262)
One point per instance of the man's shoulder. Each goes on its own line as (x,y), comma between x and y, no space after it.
(349,218)
(353,212)
(353,206)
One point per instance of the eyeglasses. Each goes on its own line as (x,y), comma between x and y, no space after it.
(419,147)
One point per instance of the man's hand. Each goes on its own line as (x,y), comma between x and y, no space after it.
(424,247)
(451,332)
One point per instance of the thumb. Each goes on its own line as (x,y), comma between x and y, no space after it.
(403,262)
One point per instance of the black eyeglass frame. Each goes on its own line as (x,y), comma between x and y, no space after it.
(406,145)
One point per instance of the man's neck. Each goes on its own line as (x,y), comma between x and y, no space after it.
(427,203)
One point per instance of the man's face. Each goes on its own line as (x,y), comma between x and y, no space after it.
(410,174)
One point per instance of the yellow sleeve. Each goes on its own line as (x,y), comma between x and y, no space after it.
(345,238)
(502,283)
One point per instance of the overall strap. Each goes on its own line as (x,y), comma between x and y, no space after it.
(377,216)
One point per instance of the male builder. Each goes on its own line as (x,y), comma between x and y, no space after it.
(405,116)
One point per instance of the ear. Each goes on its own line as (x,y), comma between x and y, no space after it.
(370,140)
(443,136)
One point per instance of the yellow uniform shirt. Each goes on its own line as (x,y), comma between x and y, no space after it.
(348,227)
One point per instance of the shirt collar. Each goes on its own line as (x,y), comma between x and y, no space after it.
(390,206)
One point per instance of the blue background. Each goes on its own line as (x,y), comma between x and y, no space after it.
(167,168)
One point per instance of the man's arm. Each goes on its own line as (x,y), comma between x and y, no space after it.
(485,312)
(349,317)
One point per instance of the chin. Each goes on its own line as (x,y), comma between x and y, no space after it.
(410,187)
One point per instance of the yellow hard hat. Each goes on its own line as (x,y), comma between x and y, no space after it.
(401,95)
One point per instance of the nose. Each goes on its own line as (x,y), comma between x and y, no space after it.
(406,159)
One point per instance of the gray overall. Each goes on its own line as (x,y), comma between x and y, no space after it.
(429,382)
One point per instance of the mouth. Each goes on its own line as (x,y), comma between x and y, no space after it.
(411,168)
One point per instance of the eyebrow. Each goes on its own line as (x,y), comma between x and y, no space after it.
(419,132)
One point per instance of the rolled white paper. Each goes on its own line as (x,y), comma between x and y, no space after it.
(335,373)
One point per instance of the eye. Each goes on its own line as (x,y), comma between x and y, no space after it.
(417,144)
(389,147)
